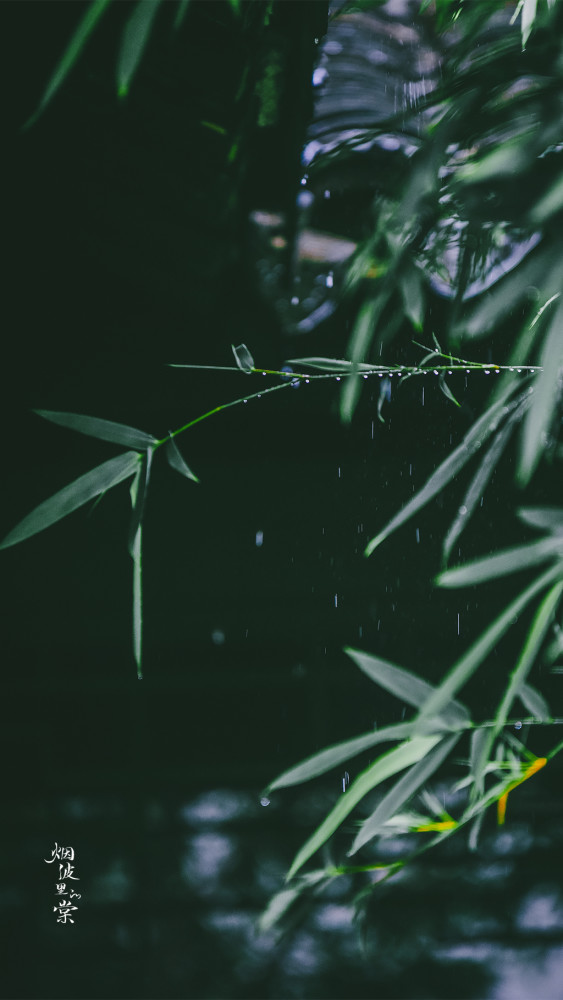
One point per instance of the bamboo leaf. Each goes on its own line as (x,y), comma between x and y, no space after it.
(334,365)
(332,756)
(466,666)
(133,43)
(480,431)
(544,518)
(512,560)
(138,492)
(403,684)
(412,292)
(73,496)
(243,358)
(69,57)
(479,482)
(403,790)
(505,295)
(447,391)
(388,764)
(181,13)
(104,430)
(176,461)
(544,399)
(534,703)
(362,335)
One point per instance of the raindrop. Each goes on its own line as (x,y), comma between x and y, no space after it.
(345,781)
(365,376)
(458,623)
(336,600)
(295,300)
(518,725)
(329,282)
(259,538)
(218,637)
(360,631)
(264,801)
(417,536)
(245,401)
(487,372)
(339,472)
(423,395)
(462,510)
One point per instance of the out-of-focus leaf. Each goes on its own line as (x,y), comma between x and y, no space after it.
(403,684)
(284,900)
(540,414)
(181,13)
(506,159)
(176,460)
(104,430)
(479,482)
(133,43)
(466,666)
(332,756)
(388,764)
(243,358)
(534,703)
(412,291)
(403,790)
(480,431)
(544,518)
(362,334)
(512,560)
(528,17)
(77,493)
(81,35)
(504,296)
(550,203)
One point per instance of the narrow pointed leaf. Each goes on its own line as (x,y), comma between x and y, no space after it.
(332,756)
(412,291)
(334,365)
(481,429)
(181,13)
(403,790)
(362,336)
(384,767)
(544,400)
(447,391)
(138,491)
(77,493)
(243,358)
(466,666)
(70,55)
(403,684)
(544,518)
(135,37)
(504,296)
(479,482)
(176,461)
(534,703)
(513,560)
(104,430)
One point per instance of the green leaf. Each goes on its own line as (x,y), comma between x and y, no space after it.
(412,291)
(534,271)
(466,666)
(176,461)
(243,358)
(403,684)
(511,560)
(338,754)
(77,493)
(334,365)
(362,335)
(481,429)
(480,480)
(518,678)
(104,430)
(544,518)
(138,492)
(181,13)
(74,48)
(544,399)
(534,703)
(133,43)
(447,391)
(384,767)
(403,790)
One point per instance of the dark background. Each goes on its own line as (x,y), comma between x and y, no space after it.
(125,248)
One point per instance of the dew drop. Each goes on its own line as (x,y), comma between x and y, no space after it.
(264,801)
